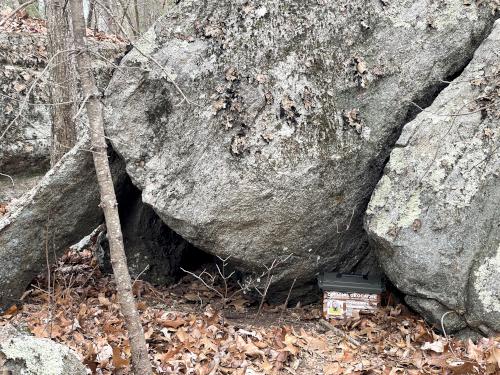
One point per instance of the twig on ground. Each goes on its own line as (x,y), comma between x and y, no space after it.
(285,305)
(9,177)
(444,332)
(339,332)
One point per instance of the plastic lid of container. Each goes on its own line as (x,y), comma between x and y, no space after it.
(350,283)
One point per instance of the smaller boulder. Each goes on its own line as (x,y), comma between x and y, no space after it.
(26,127)
(61,209)
(29,355)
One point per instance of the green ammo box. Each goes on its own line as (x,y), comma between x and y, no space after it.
(346,295)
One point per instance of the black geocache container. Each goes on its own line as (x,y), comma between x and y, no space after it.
(346,295)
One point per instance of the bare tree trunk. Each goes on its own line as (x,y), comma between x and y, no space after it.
(126,15)
(137,20)
(110,21)
(62,83)
(91,13)
(96,20)
(139,350)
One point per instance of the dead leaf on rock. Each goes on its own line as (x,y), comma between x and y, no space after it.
(231,74)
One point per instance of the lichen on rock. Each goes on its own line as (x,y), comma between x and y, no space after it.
(28,355)
(448,157)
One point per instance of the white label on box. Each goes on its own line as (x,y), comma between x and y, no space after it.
(338,305)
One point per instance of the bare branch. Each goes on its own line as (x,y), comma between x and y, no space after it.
(338,332)
(199,277)
(149,57)
(126,15)
(140,274)
(24,104)
(457,114)
(285,305)
(11,179)
(82,106)
(19,8)
(263,299)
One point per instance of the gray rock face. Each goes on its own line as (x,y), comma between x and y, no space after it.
(28,355)
(294,107)
(434,217)
(24,147)
(60,210)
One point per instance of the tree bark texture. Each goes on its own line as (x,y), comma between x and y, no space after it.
(90,14)
(62,81)
(140,360)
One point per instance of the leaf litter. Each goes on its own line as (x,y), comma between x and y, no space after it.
(188,333)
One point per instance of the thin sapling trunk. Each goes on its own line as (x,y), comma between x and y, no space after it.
(140,359)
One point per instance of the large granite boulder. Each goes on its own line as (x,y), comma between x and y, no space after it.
(434,217)
(290,110)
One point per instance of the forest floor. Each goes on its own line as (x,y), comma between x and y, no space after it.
(188,331)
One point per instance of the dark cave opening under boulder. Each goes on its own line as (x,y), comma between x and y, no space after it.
(154,251)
